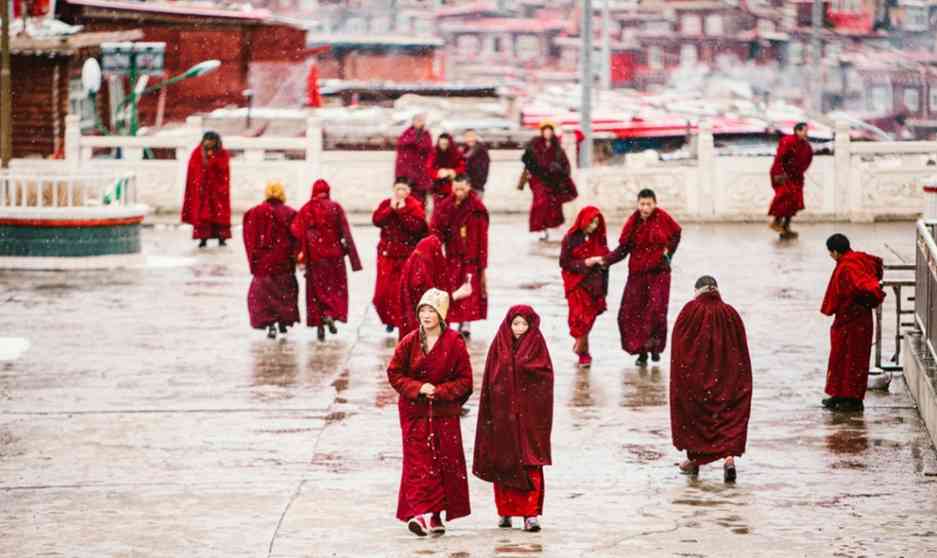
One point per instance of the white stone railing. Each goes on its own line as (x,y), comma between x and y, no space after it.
(51,189)
(861,182)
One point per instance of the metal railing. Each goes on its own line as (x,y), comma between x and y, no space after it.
(38,190)
(900,288)
(925,276)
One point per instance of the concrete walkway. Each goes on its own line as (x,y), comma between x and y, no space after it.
(147,419)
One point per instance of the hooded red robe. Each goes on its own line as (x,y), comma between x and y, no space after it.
(449,158)
(271,255)
(401,230)
(207,202)
(585,287)
(710,380)
(791,162)
(477,165)
(414,148)
(325,239)
(515,417)
(642,319)
(434,477)
(463,228)
(425,269)
(853,291)
(551,182)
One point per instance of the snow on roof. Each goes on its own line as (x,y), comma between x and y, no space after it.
(508,25)
(371,39)
(194,8)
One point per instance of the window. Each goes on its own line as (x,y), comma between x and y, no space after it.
(912,99)
(714,25)
(795,52)
(528,47)
(79,103)
(915,18)
(654,58)
(689,54)
(468,45)
(879,100)
(933,99)
(690,24)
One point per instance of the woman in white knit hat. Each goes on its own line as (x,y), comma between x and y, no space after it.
(433,375)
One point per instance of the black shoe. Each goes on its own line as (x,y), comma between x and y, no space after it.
(389,329)
(320,333)
(271,332)
(221,242)
(848,405)
(642,360)
(282,328)
(729,473)
(330,323)
(203,243)
(830,402)
(504,522)
(655,357)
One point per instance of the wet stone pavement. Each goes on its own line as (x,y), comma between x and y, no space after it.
(147,419)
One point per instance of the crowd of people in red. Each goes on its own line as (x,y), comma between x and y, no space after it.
(433,271)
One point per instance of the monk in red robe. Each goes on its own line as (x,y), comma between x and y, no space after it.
(710,382)
(425,269)
(207,203)
(477,162)
(325,239)
(271,254)
(585,280)
(414,148)
(432,373)
(651,237)
(461,222)
(852,294)
(547,169)
(402,221)
(444,164)
(515,418)
(787,178)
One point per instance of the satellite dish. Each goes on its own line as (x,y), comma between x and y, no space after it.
(91,76)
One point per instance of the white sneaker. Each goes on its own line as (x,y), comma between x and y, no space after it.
(531,524)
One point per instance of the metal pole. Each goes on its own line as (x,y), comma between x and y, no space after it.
(585,122)
(6,89)
(817,23)
(606,46)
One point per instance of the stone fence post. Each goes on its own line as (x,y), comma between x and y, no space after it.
(312,166)
(73,142)
(706,178)
(842,162)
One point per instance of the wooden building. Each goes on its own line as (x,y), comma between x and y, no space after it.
(46,85)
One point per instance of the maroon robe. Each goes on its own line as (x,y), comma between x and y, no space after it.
(477,165)
(450,158)
(551,182)
(434,477)
(710,380)
(207,202)
(401,230)
(413,151)
(271,255)
(853,291)
(791,162)
(642,318)
(515,415)
(325,239)
(585,287)
(463,228)
(425,269)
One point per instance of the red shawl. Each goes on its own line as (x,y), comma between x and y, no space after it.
(710,379)
(425,269)
(464,229)
(270,248)
(549,164)
(322,228)
(207,189)
(446,366)
(792,159)
(854,286)
(515,414)
(647,240)
(577,246)
(413,151)
(450,158)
